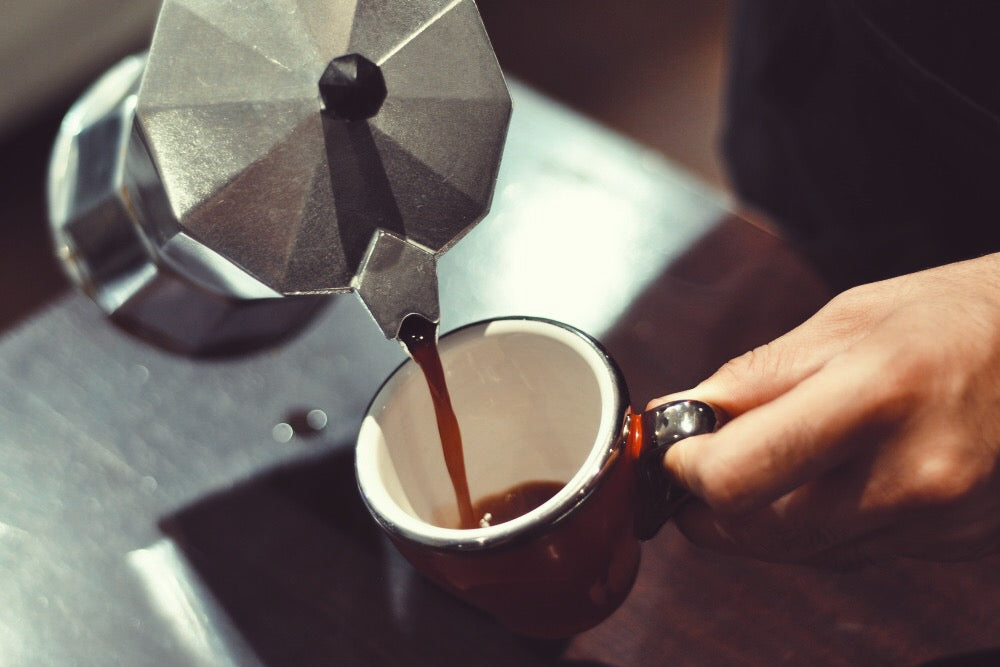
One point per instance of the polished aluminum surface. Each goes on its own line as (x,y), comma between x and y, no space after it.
(181,294)
(104,438)
(398,279)
(256,168)
(663,427)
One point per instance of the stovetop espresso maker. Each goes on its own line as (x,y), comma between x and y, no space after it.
(264,152)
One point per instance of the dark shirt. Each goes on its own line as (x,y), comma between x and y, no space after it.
(869,129)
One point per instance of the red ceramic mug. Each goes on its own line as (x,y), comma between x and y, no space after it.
(536,401)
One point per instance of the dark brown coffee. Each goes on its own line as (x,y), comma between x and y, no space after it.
(557,580)
(514,502)
(419,337)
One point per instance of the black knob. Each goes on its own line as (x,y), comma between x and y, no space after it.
(352,88)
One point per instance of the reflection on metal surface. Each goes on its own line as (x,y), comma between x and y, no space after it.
(181,294)
(317,419)
(398,279)
(17,600)
(141,374)
(181,603)
(283,433)
(302,423)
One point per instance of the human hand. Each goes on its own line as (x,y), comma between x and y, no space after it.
(869,432)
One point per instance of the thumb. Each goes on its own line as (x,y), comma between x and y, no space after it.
(751,379)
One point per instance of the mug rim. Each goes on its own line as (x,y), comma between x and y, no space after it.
(591,473)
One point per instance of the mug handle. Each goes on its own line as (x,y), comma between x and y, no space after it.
(660,496)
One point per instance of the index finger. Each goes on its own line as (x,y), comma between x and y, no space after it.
(776,447)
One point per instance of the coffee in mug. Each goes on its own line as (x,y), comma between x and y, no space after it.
(569,474)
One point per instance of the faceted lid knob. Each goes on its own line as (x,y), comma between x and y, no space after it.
(352,88)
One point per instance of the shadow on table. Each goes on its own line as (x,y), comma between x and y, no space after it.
(306,577)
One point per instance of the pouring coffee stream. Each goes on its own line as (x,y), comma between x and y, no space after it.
(418,336)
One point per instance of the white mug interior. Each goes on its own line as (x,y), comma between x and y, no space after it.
(535,401)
